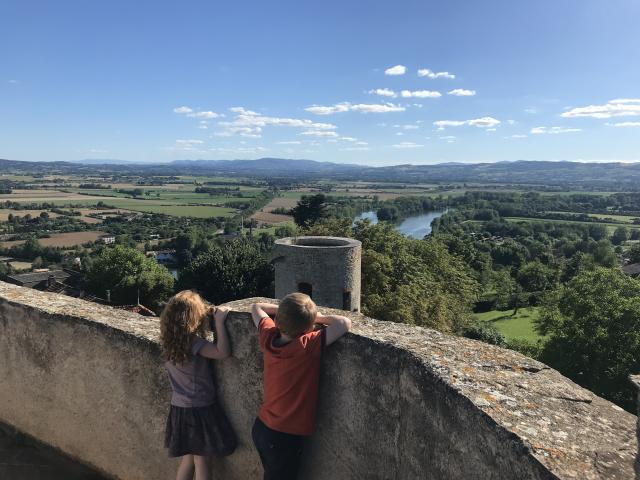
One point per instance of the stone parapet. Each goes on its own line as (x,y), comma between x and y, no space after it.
(397,402)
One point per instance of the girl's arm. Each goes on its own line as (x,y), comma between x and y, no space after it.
(221,349)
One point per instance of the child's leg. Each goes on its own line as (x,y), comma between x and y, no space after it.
(202,467)
(185,469)
(279,452)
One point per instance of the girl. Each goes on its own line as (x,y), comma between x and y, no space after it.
(197,427)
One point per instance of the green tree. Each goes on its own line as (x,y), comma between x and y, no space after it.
(594,328)
(634,253)
(535,277)
(230,271)
(407,280)
(620,235)
(125,271)
(310,209)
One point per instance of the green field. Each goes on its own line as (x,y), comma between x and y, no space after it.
(272,229)
(620,218)
(519,327)
(151,206)
(610,226)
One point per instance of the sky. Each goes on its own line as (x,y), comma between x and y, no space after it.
(351,81)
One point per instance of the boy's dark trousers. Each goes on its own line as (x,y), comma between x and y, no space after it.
(280,452)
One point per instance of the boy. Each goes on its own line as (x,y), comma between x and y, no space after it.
(292,351)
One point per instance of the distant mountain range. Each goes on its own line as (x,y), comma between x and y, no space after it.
(614,176)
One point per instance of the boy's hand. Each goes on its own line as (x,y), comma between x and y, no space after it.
(220,314)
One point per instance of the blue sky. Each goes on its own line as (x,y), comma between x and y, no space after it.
(348,81)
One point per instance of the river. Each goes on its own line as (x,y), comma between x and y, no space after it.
(416,226)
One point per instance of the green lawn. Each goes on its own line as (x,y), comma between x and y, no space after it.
(519,327)
(610,226)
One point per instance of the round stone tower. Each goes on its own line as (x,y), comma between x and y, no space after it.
(325,268)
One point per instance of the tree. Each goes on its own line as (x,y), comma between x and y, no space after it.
(535,277)
(406,280)
(230,271)
(125,271)
(310,209)
(593,325)
(620,235)
(634,253)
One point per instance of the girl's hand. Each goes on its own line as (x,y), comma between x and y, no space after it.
(220,314)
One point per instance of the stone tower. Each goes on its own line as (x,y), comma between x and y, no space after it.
(325,268)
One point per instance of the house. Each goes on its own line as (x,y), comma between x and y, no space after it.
(633,270)
(163,256)
(39,280)
(108,239)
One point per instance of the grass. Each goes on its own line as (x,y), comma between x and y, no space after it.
(272,229)
(519,327)
(610,226)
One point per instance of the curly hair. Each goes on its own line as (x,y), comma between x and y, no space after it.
(183,318)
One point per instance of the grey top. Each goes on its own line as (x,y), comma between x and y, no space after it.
(192,381)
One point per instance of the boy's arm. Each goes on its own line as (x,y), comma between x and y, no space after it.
(221,349)
(261,310)
(337,326)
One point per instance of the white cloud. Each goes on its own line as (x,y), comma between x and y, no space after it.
(189,112)
(319,133)
(248,123)
(531,110)
(624,124)
(13,82)
(290,142)
(420,94)
(355,149)
(383,92)
(349,139)
(620,107)
(554,130)
(323,110)
(182,109)
(407,145)
(625,100)
(425,72)
(441,124)
(491,129)
(360,107)
(189,142)
(518,136)
(206,114)
(361,143)
(397,70)
(461,92)
(484,122)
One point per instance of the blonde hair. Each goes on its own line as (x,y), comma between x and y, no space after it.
(182,318)
(296,314)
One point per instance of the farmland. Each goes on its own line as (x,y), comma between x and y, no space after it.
(61,239)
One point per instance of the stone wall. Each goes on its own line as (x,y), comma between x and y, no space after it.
(635,380)
(396,402)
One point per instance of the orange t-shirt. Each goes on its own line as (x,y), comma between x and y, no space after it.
(290,380)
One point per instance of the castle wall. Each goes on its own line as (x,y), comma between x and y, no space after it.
(397,402)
